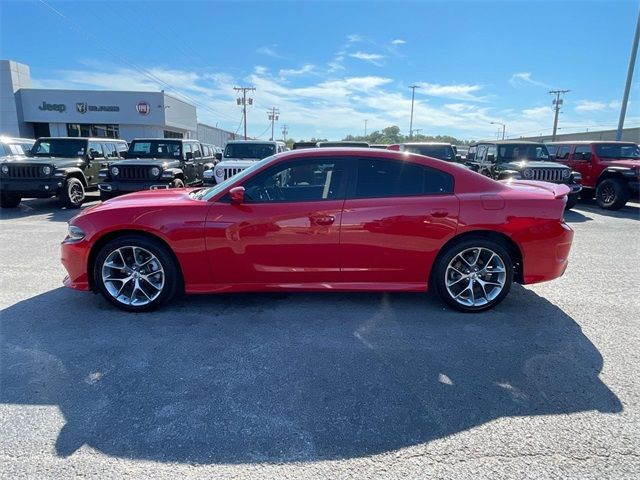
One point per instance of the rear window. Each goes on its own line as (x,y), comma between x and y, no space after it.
(155,149)
(249,150)
(389,178)
(617,150)
(442,152)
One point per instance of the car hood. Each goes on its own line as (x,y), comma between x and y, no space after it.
(14,158)
(51,160)
(145,162)
(147,198)
(626,163)
(520,164)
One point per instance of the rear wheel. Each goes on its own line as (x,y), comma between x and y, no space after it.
(136,273)
(72,195)
(612,194)
(8,200)
(474,274)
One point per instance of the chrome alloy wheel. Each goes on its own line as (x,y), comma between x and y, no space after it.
(133,276)
(76,193)
(475,276)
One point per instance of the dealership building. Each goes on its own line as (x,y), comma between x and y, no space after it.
(34,112)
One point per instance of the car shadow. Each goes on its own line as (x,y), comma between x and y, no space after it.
(240,378)
(573,216)
(46,206)
(631,210)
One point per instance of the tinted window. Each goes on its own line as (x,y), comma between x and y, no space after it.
(618,150)
(562,152)
(155,148)
(121,147)
(552,149)
(249,150)
(95,149)
(583,149)
(297,181)
(389,178)
(59,148)
(508,153)
(110,150)
(197,152)
(442,152)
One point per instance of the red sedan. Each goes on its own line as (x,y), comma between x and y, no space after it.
(325,219)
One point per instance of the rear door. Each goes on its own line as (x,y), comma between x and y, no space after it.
(93,165)
(395,219)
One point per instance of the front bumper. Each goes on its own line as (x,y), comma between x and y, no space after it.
(31,188)
(120,188)
(74,257)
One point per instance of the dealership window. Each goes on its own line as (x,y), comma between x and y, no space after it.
(91,130)
(170,134)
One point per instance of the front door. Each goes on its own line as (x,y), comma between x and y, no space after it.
(286,232)
(394,222)
(97,159)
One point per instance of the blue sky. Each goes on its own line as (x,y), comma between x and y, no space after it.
(328,66)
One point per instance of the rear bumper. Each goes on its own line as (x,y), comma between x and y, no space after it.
(31,188)
(120,188)
(74,257)
(546,256)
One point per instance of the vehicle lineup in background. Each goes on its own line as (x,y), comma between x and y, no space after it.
(515,160)
(65,167)
(153,163)
(610,170)
(239,155)
(318,219)
(441,151)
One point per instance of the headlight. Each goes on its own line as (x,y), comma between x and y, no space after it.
(155,171)
(115,170)
(220,172)
(566,173)
(46,170)
(577,176)
(5,169)
(528,173)
(75,233)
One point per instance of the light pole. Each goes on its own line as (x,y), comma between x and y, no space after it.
(503,127)
(413,97)
(365,127)
(627,86)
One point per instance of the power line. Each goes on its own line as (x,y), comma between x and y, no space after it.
(556,102)
(285,130)
(243,101)
(273,115)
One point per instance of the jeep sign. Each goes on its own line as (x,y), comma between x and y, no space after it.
(53,107)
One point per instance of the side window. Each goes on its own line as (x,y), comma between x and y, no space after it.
(492,150)
(306,180)
(110,150)
(187,149)
(393,178)
(197,150)
(95,149)
(481,153)
(121,147)
(583,149)
(563,152)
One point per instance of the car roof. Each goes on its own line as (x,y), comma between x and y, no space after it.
(589,142)
(427,143)
(93,139)
(508,142)
(16,139)
(255,141)
(149,139)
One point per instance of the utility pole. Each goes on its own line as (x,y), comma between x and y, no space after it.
(243,101)
(285,130)
(413,97)
(557,102)
(273,114)
(417,130)
(503,127)
(365,127)
(627,86)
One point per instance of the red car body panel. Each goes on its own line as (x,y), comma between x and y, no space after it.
(352,244)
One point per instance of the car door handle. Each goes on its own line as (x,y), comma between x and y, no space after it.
(439,213)
(323,220)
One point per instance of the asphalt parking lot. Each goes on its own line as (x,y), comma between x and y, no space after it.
(322,385)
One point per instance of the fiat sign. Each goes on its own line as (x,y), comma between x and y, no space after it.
(143,108)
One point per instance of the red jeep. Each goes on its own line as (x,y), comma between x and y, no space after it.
(610,170)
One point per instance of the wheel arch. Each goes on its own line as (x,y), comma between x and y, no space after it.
(515,252)
(106,238)
(77,173)
(610,173)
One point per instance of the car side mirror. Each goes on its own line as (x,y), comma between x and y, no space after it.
(491,158)
(218,156)
(189,156)
(237,195)
(91,155)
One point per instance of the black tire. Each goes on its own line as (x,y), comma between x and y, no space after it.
(439,276)
(572,200)
(177,183)
(104,196)
(172,276)
(72,194)
(8,200)
(612,194)
(587,194)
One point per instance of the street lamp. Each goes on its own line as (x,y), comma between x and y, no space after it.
(503,127)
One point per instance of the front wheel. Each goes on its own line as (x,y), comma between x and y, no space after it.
(136,273)
(473,275)
(177,183)
(72,195)
(612,194)
(8,200)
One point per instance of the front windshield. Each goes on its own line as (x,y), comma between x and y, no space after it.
(59,147)
(15,147)
(612,151)
(442,152)
(249,150)
(509,153)
(154,149)
(208,193)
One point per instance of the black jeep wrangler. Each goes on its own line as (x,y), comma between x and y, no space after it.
(153,163)
(65,167)
(502,160)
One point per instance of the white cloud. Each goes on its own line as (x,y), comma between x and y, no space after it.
(354,38)
(537,112)
(269,51)
(260,70)
(308,68)
(456,92)
(524,78)
(368,57)
(589,106)
(398,41)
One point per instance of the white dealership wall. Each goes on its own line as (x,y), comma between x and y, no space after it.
(13,77)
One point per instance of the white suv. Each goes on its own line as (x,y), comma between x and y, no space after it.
(241,154)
